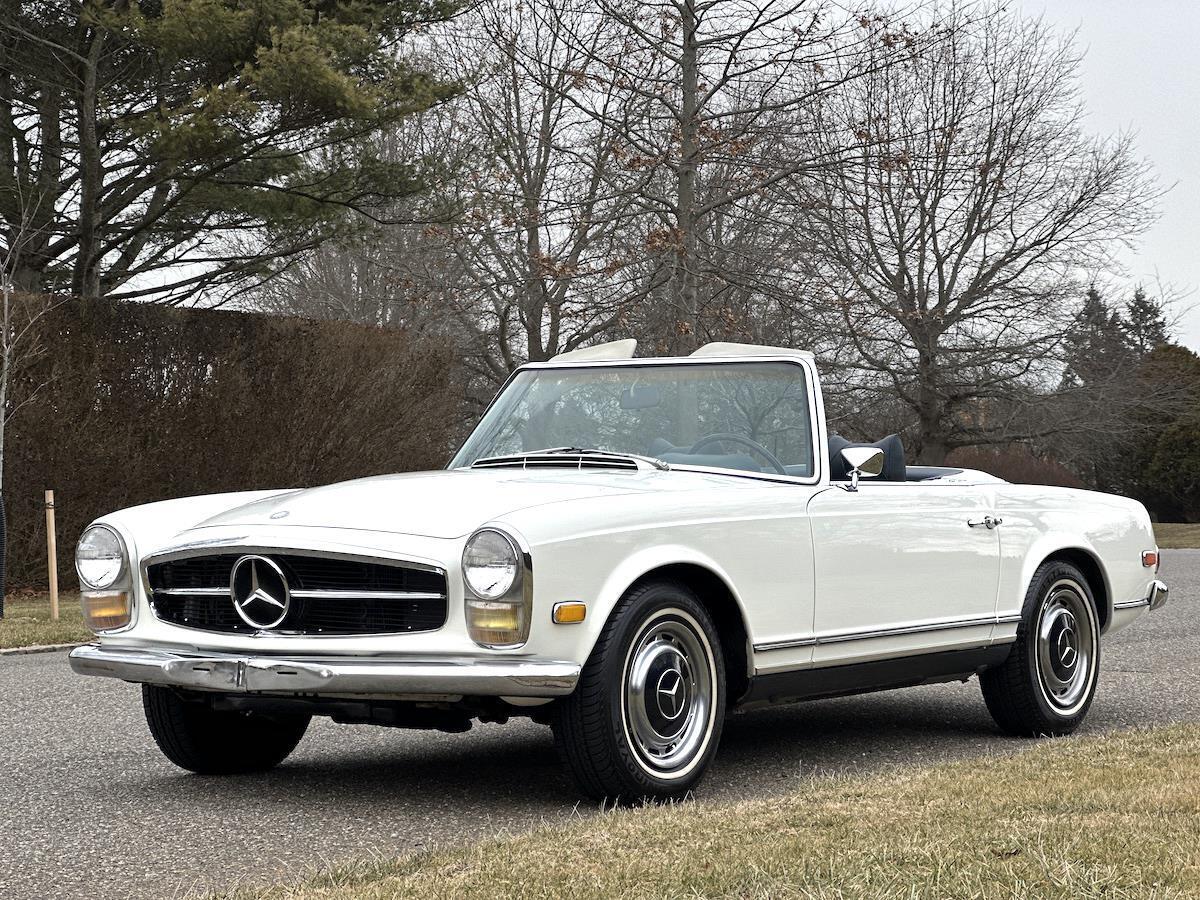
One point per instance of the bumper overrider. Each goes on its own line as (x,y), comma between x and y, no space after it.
(1158,595)
(239,673)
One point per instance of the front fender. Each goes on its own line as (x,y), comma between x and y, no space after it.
(600,575)
(640,564)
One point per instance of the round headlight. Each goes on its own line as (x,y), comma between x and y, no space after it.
(490,564)
(99,558)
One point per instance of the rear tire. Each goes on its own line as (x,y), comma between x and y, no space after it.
(646,717)
(196,737)
(1047,684)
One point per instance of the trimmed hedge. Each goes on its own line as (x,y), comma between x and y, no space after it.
(132,403)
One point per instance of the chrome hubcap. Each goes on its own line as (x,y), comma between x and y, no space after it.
(668,693)
(1066,651)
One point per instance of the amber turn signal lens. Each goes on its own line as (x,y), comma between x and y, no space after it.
(497,623)
(569,613)
(105,610)
(1150,558)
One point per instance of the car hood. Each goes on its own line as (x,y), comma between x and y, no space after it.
(444,504)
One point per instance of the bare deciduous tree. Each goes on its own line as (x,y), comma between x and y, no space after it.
(513,252)
(541,214)
(951,242)
(717,108)
(396,274)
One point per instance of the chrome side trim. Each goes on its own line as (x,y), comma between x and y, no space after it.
(838,637)
(786,644)
(1156,598)
(374,676)
(1132,604)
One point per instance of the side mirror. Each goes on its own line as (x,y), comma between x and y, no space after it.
(863,462)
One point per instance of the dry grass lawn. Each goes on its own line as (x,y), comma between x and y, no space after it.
(1177,537)
(27,621)
(1113,817)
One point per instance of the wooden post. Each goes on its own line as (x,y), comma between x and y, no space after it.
(52,551)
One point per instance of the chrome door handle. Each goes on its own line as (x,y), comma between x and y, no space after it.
(988,522)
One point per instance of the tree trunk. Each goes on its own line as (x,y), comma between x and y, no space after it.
(533,305)
(85,281)
(683,281)
(933,450)
(3,550)
(931,412)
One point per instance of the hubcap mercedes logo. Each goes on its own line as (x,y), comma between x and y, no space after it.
(1067,653)
(670,694)
(259,592)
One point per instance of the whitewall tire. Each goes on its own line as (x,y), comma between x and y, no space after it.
(645,719)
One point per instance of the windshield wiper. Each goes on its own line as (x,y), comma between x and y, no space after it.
(650,460)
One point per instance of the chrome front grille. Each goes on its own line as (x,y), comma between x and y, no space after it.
(329,595)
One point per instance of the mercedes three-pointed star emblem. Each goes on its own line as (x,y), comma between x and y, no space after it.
(670,694)
(1067,654)
(259,592)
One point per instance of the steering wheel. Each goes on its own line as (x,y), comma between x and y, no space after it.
(745,442)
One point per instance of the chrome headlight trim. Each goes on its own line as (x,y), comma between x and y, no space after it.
(122,573)
(513,561)
(121,586)
(518,597)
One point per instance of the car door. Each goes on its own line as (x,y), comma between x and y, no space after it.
(902,568)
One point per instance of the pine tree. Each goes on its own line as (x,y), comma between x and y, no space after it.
(1097,344)
(1147,323)
(147,146)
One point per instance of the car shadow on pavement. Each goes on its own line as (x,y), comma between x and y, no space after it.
(420,768)
(861,734)
(518,768)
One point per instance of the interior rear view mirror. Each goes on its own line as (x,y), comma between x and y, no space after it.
(641,396)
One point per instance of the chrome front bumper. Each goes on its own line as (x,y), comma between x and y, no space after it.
(367,676)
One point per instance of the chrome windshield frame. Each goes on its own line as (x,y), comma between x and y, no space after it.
(816,410)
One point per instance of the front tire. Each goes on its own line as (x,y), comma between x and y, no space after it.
(196,737)
(1047,684)
(645,719)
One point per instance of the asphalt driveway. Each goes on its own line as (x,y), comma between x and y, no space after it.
(89,808)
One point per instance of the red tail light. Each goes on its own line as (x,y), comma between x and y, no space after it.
(1150,558)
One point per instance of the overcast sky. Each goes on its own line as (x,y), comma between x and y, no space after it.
(1142,73)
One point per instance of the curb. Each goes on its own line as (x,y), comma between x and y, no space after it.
(39,648)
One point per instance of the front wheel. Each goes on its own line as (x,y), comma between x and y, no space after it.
(646,716)
(196,737)
(1046,685)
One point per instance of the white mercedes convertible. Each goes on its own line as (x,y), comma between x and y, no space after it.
(626,550)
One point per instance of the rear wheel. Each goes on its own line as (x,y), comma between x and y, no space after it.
(1046,685)
(646,717)
(196,737)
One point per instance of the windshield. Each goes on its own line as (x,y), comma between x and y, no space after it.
(749,417)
